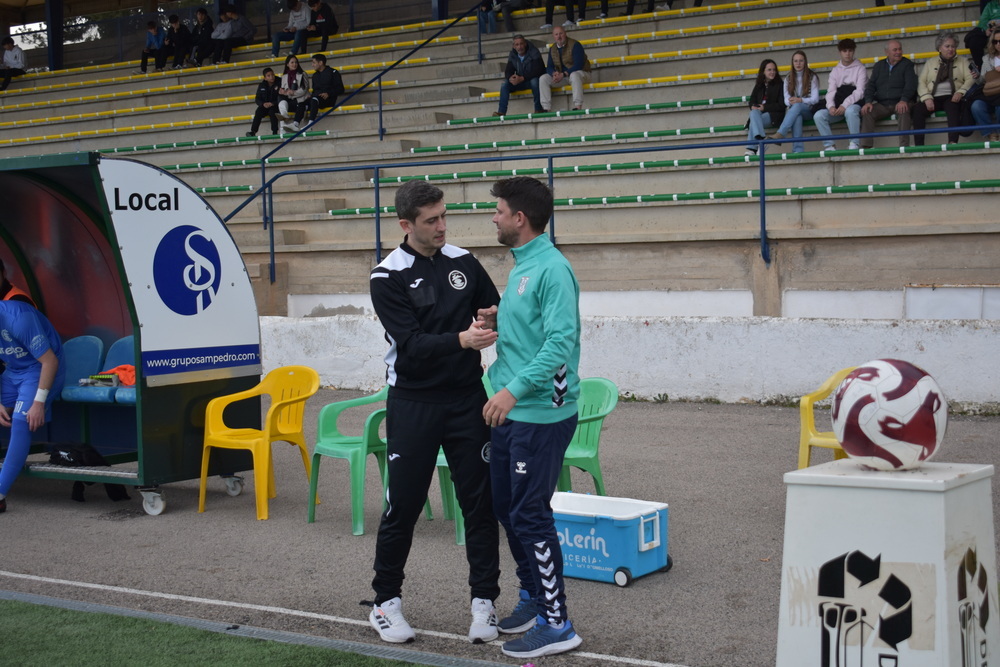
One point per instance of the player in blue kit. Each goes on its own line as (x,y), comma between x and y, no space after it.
(34,375)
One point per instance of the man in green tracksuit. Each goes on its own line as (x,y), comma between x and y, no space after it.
(533,414)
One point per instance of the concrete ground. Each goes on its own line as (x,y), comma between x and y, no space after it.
(719,467)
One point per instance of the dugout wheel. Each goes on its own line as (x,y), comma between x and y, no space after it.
(234,485)
(670,564)
(623,576)
(153,501)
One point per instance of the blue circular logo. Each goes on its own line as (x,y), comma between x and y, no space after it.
(187,270)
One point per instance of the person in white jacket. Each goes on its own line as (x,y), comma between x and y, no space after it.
(14,62)
(293,95)
(801,93)
(843,102)
(297,30)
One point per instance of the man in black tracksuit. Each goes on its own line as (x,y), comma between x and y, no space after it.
(426,294)
(327,86)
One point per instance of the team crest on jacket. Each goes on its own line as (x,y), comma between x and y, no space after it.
(523,285)
(457,279)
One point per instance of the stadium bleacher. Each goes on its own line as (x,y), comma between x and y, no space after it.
(658,220)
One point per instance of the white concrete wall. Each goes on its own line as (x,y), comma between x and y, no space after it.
(729,359)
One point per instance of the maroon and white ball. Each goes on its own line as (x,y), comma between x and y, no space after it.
(889,415)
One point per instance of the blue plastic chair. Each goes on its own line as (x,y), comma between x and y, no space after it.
(122,351)
(82,357)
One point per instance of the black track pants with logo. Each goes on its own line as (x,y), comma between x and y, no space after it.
(527,459)
(415,430)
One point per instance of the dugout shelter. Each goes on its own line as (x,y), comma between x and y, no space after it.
(116,248)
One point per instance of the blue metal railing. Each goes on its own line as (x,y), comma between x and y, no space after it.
(267,187)
(265,190)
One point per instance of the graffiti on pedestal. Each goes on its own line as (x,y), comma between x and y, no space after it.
(867,614)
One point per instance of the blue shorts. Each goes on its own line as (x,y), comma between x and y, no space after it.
(17,393)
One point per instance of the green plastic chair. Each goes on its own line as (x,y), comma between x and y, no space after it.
(598,397)
(330,441)
(355,449)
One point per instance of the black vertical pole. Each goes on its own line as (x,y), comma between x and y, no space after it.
(439,10)
(54,32)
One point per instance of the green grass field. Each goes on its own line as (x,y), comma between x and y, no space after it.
(47,636)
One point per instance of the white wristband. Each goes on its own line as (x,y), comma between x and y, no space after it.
(41,395)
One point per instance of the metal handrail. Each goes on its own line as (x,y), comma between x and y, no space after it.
(264,190)
(762,144)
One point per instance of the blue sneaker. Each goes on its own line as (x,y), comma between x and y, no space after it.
(522,618)
(543,639)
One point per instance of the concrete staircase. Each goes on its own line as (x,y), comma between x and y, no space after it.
(823,242)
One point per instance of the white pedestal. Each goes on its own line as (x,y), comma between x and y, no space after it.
(889,569)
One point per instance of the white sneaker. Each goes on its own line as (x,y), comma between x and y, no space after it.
(387,619)
(484,622)
(546,26)
(602,15)
(853,146)
(569,24)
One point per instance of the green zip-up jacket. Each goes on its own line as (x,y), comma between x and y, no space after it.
(538,349)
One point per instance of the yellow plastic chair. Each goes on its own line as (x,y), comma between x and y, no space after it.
(598,397)
(809,437)
(289,387)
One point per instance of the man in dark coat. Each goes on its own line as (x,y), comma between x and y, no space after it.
(524,67)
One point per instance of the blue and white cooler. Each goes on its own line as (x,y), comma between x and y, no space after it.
(611,539)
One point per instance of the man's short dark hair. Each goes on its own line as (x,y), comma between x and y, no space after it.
(320,57)
(528,195)
(151,25)
(7,41)
(173,18)
(413,196)
(266,70)
(847,43)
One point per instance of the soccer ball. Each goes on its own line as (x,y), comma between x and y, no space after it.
(889,415)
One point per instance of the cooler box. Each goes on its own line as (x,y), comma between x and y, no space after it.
(610,539)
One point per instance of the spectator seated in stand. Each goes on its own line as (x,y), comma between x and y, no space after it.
(327,86)
(767,104)
(154,49)
(14,62)
(550,6)
(267,103)
(942,83)
(582,10)
(986,108)
(487,19)
(977,39)
(201,38)
(241,33)
(508,7)
(567,62)
(322,22)
(801,94)
(891,89)
(293,95)
(523,71)
(177,42)
(297,30)
(844,93)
